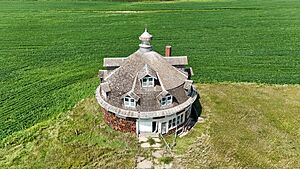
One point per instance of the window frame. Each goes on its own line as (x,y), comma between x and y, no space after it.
(176,121)
(129,102)
(167,100)
(148,81)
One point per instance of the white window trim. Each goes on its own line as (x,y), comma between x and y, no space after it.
(166,100)
(149,82)
(180,116)
(130,102)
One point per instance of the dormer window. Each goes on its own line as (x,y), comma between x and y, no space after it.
(147,76)
(148,81)
(167,100)
(129,102)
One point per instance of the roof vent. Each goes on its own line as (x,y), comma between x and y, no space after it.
(145,41)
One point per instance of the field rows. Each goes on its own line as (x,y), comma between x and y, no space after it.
(50,52)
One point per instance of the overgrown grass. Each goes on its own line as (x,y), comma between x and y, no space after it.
(151,141)
(166,160)
(50,51)
(246,126)
(76,139)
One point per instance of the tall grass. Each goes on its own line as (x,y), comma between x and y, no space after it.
(76,139)
(245,126)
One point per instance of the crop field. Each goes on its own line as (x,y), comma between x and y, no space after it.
(50,51)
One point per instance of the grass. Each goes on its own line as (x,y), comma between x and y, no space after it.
(166,160)
(50,51)
(76,139)
(246,126)
(256,128)
(151,141)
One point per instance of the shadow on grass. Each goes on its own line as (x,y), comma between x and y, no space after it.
(196,112)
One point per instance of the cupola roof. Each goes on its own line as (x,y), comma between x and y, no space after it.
(145,39)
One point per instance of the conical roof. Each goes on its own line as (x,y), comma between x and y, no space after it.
(122,78)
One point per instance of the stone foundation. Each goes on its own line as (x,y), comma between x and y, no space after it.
(120,124)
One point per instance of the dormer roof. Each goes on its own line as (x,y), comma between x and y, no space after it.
(162,94)
(188,84)
(146,70)
(132,95)
(105,87)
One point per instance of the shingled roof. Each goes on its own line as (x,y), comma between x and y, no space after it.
(125,74)
(123,77)
(118,61)
(146,71)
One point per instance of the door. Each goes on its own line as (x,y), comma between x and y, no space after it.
(145,126)
(154,126)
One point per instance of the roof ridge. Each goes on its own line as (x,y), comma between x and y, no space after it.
(163,58)
(134,83)
(161,84)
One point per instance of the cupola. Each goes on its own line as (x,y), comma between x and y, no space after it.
(145,39)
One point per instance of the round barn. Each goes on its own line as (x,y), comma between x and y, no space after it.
(146,92)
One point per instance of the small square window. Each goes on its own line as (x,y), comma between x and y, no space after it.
(129,102)
(166,100)
(148,81)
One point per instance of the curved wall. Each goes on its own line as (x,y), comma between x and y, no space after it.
(118,123)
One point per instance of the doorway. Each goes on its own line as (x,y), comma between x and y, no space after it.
(145,126)
(153,126)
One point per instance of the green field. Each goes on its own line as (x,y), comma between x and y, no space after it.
(258,127)
(50,51)
(76,139)
(246,126)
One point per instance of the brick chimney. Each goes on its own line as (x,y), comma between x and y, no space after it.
(168,51)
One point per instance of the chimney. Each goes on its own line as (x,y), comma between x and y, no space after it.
(168,51)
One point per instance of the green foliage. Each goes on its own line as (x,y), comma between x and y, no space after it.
(166,160)
(246,126)
(50,51)
(151,141)
(76,139)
